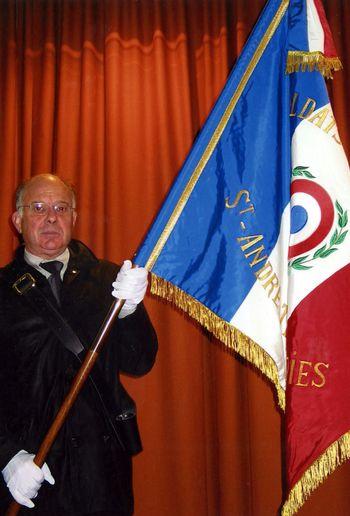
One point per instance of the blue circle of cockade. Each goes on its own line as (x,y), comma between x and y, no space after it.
(299,218)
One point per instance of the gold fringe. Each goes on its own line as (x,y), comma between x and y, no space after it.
(297,60)
(334,456)
(222,330)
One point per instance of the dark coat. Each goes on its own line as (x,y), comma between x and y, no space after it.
(91,470)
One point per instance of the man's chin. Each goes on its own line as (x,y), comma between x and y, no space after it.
(52,247)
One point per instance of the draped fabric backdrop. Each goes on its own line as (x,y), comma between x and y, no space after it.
(110,94)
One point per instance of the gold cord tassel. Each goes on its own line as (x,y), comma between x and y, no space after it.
(310,61)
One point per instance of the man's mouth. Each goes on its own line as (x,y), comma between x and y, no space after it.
(50,233)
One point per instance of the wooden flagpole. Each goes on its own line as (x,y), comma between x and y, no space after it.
(76,387)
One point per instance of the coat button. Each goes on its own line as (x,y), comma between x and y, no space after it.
(75,440)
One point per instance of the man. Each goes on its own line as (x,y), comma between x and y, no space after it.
(88,470)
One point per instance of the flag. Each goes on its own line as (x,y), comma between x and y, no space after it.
(252,240)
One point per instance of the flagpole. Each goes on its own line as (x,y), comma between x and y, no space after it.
(76,387)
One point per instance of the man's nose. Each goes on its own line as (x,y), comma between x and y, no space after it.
(51,215)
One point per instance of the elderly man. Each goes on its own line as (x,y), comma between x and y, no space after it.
(44,330)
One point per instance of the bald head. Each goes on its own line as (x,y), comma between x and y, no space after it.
(45,215)
(40,178)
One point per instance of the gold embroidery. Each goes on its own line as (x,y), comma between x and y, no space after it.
(230,336)
(216,136)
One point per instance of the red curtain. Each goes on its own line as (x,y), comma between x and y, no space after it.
(110,95)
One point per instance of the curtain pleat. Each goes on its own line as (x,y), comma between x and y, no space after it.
(110,95)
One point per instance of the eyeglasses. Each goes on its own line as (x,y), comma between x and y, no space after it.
(42,208)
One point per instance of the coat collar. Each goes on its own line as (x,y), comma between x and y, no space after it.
(81,258)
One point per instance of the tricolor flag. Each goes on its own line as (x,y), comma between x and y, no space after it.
(252,240)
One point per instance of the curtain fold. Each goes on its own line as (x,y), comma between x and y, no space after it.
(110,94)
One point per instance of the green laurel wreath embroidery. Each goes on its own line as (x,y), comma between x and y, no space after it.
(337,238)
(302,171)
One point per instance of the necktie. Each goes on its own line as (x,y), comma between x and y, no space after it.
(54,268)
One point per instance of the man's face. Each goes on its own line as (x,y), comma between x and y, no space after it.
(45,235)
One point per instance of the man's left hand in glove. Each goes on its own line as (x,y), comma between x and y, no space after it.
(131,285)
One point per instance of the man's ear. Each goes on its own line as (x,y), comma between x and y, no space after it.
(74,217)
(17,221)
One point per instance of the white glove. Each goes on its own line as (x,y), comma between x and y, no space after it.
(24,478)
(131,285)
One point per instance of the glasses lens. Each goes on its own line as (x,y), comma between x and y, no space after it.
(39,208)
(42,208)
(61,207)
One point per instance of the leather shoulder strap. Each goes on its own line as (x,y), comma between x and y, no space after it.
(26,286)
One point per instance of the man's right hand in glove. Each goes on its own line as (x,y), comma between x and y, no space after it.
(24,478)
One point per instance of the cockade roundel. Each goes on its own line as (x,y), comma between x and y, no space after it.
(312,219)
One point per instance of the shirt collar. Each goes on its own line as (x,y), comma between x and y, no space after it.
(35,261)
